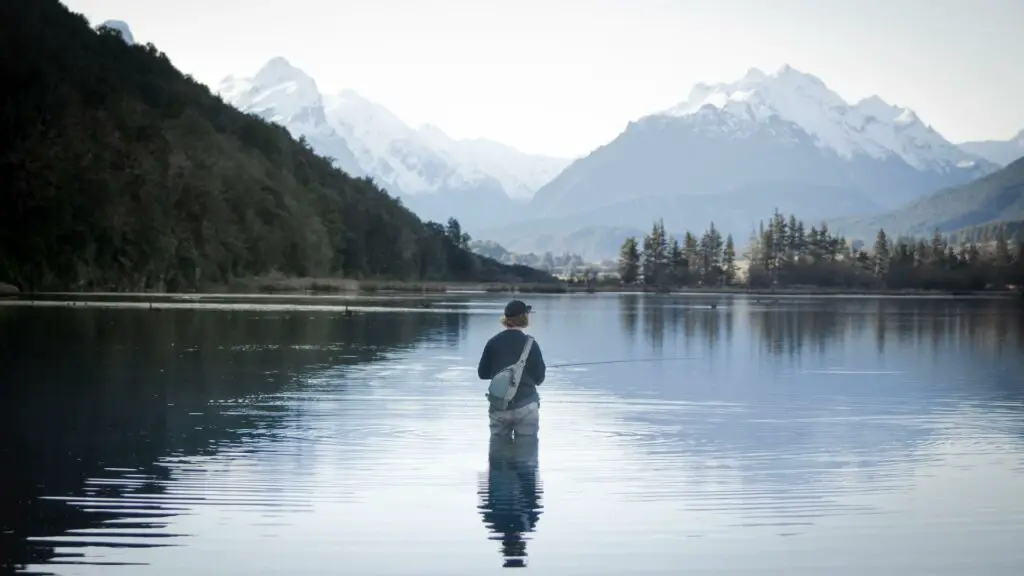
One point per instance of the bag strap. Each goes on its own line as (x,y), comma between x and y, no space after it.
(520,365)
(526,351)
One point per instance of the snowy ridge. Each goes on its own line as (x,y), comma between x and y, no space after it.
(405,160)
(871,127)
(283,94)
(519,174)
(386,146)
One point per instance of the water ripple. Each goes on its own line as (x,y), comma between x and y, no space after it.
(846,462)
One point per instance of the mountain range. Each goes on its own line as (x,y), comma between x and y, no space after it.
(435,175)
(1001,152)
(729,153)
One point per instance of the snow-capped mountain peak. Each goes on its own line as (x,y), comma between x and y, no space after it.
(374,120)
(387,146)
(445,175)
(279,69)
(425,159)
(279,92)
(122,27)
(871,127)
(878,108)
(282,93)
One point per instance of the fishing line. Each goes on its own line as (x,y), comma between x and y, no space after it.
(622,361)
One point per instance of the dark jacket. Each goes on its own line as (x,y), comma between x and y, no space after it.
(502,351)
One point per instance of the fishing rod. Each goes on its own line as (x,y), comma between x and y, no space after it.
(572,364)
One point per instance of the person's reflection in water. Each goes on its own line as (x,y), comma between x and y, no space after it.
(510,495)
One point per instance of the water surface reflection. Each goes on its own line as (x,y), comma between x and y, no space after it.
(511,495)
(793,436)
(117,418)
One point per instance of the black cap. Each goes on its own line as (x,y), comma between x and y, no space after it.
(516,308)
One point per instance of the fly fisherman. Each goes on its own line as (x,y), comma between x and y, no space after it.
(513,362)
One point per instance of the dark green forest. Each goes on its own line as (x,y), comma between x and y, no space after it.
(785,252)
(118,172)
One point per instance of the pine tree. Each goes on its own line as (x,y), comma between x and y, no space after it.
(629,261)
(729,261)
(881,253)
(678,264)
(1002,247)
(781,253)
(710,255)
(814,248)
(827,243)
(780,239)
(691,251)
(938,252)
(800,240)
(655,255)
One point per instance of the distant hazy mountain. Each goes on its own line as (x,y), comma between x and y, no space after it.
(1001,152)
(737,211)
(996,197)
(782,139)
(520,174)
(477,181)
(592,243)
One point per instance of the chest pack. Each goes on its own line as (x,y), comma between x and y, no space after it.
(505,384)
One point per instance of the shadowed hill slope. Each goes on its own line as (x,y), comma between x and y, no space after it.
(118,172)
(998,197)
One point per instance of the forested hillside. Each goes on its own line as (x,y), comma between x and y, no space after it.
(998,197)
(118,172)
(987,233)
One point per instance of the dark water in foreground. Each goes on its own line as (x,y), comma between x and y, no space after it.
(808,436)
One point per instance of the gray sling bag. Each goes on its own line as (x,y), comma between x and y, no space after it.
(505,384)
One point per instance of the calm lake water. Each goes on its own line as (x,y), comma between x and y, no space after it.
(802,436)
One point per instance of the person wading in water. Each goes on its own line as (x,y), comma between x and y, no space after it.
(513,362)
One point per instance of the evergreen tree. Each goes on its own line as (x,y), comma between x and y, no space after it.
(895,262)
(655,255)
(691,253)
(1002,250)
(881,254)
(710,254)
(800,240)
(678,264)
(629,261)
(729,261)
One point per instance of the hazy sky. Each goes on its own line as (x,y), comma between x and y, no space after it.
(564,76)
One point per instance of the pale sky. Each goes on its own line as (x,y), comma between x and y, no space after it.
(562,77)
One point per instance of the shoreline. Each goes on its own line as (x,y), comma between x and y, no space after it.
(340,291)
(809,291)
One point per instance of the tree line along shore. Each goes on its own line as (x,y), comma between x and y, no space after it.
(784,253)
